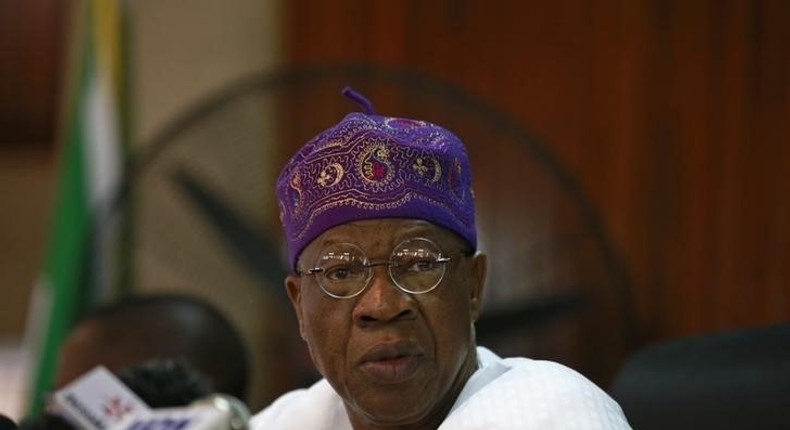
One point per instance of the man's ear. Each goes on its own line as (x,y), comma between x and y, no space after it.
(478,280)
(293,286)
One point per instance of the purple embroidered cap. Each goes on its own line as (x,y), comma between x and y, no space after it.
(371,166)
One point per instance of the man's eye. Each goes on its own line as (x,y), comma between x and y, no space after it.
(421,265)
(344,272)
(336,273)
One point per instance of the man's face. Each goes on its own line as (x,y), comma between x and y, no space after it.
(394,357)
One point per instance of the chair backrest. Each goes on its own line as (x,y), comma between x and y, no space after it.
(731,380)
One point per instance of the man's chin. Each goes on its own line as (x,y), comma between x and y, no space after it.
(398,404)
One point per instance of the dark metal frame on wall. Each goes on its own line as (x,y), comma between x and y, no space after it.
(256,247)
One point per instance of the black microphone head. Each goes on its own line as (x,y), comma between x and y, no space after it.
(163,383)
(45,421)
(7,423)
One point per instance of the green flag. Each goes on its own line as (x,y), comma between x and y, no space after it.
(82,250)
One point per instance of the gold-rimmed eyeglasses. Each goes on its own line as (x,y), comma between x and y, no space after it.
(343,271)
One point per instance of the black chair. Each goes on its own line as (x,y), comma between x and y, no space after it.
(722,381)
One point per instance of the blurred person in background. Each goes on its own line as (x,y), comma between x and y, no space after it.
(165,336)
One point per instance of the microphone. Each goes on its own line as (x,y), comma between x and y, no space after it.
(7,423)
(96,401)
(166,382)
(214,412)
(45,421)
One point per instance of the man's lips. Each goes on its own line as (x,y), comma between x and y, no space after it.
(391,350)
(392,362)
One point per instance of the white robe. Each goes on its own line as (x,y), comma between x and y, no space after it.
(510,393)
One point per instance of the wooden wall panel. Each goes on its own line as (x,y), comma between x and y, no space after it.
(30,53)
(30,57)
(672,114)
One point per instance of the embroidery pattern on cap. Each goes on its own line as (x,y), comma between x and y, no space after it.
(382,172)
(427,168)
(330,175)
(374,165)
(295,192)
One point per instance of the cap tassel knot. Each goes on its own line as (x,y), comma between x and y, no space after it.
(361,100)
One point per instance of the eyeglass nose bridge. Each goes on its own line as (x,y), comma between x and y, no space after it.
(388,264)
(392,278)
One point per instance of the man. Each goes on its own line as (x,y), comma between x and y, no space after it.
(149,339)
(387,283)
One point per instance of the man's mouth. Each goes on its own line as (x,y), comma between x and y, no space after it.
(391,363)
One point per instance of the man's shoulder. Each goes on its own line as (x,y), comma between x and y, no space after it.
(526,393)
(532,374)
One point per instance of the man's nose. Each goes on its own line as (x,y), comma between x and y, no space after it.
(382,301)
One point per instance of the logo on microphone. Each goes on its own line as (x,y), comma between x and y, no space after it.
(161,424)
(116,408)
